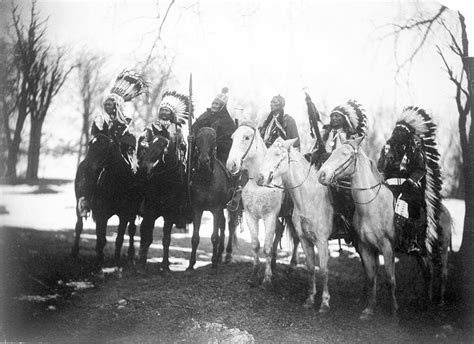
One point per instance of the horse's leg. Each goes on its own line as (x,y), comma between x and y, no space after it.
(426,265)
(323,252)
(123,221)
(167,226)
(270,223)
(446,226)
(146,237)
(215,238)
(101,229)
(132,229)
(369,259)
(221,225)
(232,223)
(252,224)
(389,263)
(77,237)
(279,228)
(310,255)
(296,242)
(195,239)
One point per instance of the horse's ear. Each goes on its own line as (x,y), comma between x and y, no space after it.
(289,143)
(358,140)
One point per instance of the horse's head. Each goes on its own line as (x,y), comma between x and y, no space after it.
(152,155)
(276,162)
(99,150)
(244,146)
(205,147)
(341,162)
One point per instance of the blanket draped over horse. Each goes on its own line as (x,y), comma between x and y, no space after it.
(374,219)
(114,193)
(313,211)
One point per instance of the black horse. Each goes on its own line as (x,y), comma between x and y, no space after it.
(165,191)
(112,190)
(211,189)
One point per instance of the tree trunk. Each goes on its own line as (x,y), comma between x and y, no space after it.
(14,148)
(34,149)
(466,252)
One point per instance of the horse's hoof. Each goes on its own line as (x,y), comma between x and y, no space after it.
(323,309)
(366,315)
(227,259)
(267,285)
(308,304)
(253,281)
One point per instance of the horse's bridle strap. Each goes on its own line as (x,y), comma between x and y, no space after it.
(251,142)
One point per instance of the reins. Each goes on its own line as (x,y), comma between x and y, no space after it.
(344,166)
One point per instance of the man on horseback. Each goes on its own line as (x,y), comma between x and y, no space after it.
(347,121)
(277,124)
(218,118)
(404,163)
(171,116)
(115,125)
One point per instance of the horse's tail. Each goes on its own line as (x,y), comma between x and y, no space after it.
(446,224)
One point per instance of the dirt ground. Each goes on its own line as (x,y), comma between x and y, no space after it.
(200,307)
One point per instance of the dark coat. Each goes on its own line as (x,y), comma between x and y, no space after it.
(287,123)
(224,126)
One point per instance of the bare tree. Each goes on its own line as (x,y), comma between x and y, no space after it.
(8,101)
(46,79)
(426,23)
(91,86)
(158,72)
(25,49)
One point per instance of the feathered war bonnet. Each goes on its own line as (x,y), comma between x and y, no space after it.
(178,104)
(127,85)
(415,123)
(354,115)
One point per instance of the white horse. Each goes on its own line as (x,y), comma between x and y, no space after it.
(374,220)
(247,153)
(313,211)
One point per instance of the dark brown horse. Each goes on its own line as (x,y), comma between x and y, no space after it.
(165,192)
(107,179)
(211,189)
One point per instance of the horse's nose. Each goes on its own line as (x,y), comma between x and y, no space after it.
(322,178)
(232,167)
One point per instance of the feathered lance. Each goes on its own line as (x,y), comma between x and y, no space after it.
(190,138)
(314,118)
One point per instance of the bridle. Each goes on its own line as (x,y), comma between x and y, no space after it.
(250,145)
(277,165)
(353,158)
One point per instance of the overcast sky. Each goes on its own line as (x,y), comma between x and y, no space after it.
(261,48)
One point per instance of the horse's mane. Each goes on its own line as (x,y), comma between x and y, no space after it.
(373,168)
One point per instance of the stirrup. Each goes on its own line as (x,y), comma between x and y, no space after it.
(233,205)
(414,248)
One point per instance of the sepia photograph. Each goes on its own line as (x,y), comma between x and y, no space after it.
(236,171)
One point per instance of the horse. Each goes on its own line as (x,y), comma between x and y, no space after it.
(114,193)
(165,193)
(313,212)
(247,153)
(211,189)
(373,220)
